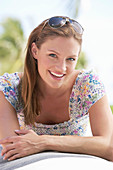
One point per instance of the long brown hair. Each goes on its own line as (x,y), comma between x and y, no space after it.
(30,91)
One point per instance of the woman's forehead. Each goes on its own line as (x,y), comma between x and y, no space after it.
(61,41)
(61,44)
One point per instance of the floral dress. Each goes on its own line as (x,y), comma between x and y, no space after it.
(87,90)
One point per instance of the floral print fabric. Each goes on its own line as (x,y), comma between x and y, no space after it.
(86,91)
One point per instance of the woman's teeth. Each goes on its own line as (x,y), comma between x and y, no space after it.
(57,75)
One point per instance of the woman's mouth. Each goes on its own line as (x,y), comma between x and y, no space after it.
(56,75)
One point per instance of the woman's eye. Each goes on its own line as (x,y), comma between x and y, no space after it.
(71,59)
(52,55)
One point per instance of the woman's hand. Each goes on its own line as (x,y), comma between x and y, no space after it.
(27,143)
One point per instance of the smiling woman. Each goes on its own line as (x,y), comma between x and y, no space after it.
(47,107)
(57,63)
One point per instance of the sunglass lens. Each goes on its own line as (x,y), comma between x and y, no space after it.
(56,22)
(77,27)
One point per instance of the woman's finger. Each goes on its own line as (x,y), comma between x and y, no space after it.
(9,139)
(23,132)
(6,140)
(7,148)
(15,157)
(10,154)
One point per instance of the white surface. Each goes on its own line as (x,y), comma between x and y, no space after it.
(88,132)
(79,162)
(67,163)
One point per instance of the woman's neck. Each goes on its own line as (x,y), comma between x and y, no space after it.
(47,91)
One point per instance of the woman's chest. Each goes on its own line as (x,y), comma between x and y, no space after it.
(54,111)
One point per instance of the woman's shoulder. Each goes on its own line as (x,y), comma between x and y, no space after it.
(88,82)
(10,78)
(20,74)
(87,77)
(87,90)
(9,82)
(9,86)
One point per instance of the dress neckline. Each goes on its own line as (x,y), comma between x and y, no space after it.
(65,123)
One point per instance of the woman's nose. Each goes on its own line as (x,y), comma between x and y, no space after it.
(61,66)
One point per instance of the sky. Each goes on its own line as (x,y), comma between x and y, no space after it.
(96,17)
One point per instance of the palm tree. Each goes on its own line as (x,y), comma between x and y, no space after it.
(11,44)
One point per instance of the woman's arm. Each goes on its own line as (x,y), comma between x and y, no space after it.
(100,144)
(20,143)
(8,119)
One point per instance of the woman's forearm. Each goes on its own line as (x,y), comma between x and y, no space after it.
(97,146)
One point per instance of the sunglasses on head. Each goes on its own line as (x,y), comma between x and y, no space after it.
(57,22)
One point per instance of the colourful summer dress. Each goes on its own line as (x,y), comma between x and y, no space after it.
(87,90)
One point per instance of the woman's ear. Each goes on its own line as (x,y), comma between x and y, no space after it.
(34,50)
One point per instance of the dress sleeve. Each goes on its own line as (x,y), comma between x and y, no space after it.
(8,85)
(91,89)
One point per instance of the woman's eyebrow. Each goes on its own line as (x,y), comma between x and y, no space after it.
(54,51)
(73,56)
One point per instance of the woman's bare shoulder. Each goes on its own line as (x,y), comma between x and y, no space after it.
(20,74)
(75,75)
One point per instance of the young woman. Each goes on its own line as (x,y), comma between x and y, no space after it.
(47,107)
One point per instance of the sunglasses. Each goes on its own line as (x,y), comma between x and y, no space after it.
(57,22)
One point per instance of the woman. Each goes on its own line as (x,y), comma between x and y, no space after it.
(47,107)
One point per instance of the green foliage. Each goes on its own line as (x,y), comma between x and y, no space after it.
(12,42)
(11,46)
(111,108)
(82,61)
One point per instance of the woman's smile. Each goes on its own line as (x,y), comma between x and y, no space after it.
(57,60)
(56,75)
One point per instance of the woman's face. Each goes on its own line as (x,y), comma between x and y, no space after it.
(56,61)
